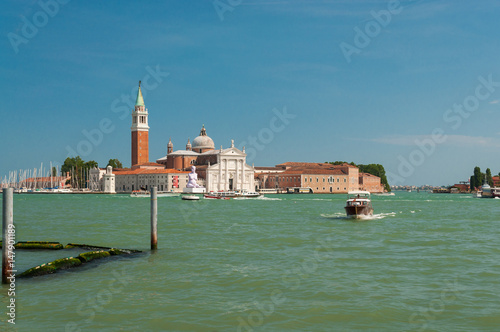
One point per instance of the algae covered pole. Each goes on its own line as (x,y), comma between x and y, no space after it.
(8,232)
(154,218)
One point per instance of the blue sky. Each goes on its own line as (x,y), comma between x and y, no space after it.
(413,85)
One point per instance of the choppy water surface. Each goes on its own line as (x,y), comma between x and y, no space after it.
(424,262)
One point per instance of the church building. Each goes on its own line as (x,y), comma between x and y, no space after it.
(221,169)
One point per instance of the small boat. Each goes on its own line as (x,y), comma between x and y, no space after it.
(215,196)
(248,194)
(190,197)
(139,193)
(223,193)
(358,204)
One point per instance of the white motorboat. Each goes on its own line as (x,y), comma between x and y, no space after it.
(358,204)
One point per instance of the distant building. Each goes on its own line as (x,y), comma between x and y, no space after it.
(460,188)
(496,181)
(128,180)
(370,182)
(319,177)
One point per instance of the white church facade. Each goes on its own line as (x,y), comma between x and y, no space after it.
(230,173)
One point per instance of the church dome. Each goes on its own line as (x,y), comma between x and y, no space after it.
(203,141)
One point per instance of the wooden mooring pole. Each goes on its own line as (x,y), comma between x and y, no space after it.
(154,218)
(8,223)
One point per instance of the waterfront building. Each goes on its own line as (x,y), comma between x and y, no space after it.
(171,180)
(317,177)
(370,182)
(496,181)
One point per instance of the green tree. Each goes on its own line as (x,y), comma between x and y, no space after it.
(115,163)
(78,170)
(71,164)
(489,178)
(91,164)
(477,179)
(377,170)
(340,162)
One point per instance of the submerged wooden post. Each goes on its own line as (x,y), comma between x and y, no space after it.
(154,218)
(8,219)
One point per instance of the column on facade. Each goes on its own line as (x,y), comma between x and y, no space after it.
(220,172)
(226,177)
(237,173)
(243,180)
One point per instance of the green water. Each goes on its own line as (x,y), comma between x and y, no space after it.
(425,262)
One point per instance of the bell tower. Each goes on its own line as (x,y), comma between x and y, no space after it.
(140,131)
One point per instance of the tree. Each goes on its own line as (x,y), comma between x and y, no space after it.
(78,170)
(91,164)
(340,162)
(72,163)
(115,163)
(377,170)
(489,179)
(477,179)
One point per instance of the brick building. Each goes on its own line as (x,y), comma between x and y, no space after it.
(318,177)
(370,183)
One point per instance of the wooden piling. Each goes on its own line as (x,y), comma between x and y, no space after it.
(154,218)
(8,223)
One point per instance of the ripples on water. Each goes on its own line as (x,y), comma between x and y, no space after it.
(424,262)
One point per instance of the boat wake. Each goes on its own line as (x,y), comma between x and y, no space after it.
(342,216)
(264,198)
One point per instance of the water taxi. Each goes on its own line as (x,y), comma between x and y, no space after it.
(218,195)
(248,194)
(358,204)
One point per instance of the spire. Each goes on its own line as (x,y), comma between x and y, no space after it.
(170,146)
(188,145)
(139,101)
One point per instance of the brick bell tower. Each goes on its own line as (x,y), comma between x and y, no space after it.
(140,131)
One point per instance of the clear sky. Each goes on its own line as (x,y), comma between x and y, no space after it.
(413,85)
